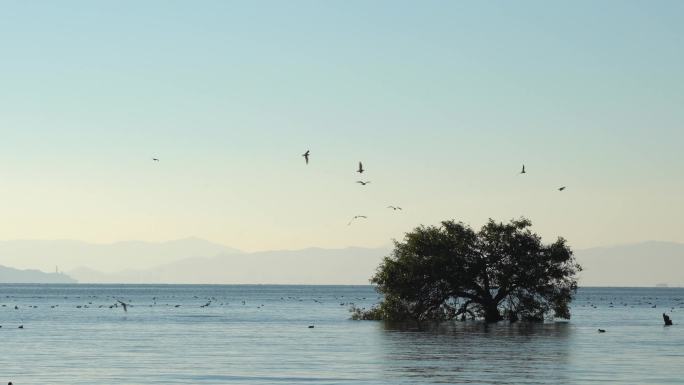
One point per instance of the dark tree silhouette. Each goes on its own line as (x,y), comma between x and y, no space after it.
(450,271)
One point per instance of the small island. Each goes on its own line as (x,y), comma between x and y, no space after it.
(503,271)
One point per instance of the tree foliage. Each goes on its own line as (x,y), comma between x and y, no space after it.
(503,271)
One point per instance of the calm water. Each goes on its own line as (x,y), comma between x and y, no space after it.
(266,340)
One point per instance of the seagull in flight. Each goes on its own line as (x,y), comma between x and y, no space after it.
(306,156)
(360,170)
(561,188)
(125,305)
(395,208)
(523,170)
(356,217)
(363,183)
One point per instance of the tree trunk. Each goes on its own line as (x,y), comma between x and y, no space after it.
(492,313)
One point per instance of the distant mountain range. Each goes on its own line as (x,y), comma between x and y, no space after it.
(195,261)
(68,254)
(10,275)
(313,266)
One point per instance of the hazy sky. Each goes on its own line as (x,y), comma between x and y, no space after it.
(442,100)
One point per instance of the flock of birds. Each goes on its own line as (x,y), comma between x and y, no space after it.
(118,303)
(360,170)
(670,304)
(651,302)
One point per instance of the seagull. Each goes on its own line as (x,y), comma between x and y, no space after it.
(306,156)
(155,159)
(125,305)
(356,217)
(360,170)
(562,188)
(362,182)
(523,170)
(395,208)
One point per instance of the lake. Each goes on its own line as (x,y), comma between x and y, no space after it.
(259,334)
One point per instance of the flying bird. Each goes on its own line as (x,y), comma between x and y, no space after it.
(360,170)
(306,156)
(125,305)
(395,208)
(562,188)
(363,183)
(155,159)
(523,170)
(356,217)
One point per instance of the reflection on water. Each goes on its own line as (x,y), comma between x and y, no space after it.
(260,335)
(474,352)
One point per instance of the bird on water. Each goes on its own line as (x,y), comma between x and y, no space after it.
(125,305)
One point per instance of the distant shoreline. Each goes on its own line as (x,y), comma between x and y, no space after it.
(274,285)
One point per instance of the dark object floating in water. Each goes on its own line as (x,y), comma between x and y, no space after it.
(125,305)
(21,326)
(311,326)
(601,330)
(666,318)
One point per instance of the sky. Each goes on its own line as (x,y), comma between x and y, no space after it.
(443,101)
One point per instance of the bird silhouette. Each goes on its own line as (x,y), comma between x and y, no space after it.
(561,188)
(125,305)
(395,208)
(356,217)
(306,156)
(523,170)
(363,183)
(601,331)
(155,159)
(360,170)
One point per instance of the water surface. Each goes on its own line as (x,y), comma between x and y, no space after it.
(72,336)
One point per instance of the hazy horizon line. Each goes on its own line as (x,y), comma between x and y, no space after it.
(242,250)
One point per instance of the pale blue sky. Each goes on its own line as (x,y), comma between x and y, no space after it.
(442,100)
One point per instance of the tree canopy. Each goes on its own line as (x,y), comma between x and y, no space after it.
(502,271)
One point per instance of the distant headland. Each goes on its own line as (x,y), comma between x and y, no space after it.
(10,275)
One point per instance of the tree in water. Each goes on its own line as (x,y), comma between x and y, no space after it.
(503,271)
